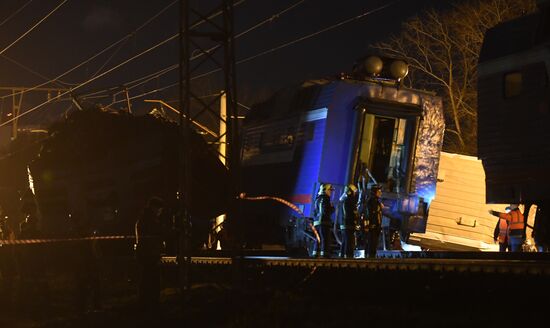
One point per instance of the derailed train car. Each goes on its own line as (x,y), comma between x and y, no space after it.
(332,131)
(97,169)
(514,109)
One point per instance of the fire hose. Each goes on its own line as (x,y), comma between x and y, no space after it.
(286,203)
(241,196)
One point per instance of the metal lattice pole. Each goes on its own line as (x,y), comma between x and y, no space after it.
(206,35)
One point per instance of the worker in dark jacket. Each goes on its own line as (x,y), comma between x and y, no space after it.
(516,226)
(348,222)
(148,252)
(360,229)
(373,220)
(322,220)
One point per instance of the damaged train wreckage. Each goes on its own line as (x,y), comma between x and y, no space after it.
(334,131)
(98,168)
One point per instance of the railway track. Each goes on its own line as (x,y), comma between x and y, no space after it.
(458,262)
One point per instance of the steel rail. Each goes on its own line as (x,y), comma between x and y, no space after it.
(489,266)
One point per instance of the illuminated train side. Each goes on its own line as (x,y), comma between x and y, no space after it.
(329,131)
(514,109)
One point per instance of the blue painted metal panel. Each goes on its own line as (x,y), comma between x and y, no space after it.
(339,139)
(310,162)
(326,94)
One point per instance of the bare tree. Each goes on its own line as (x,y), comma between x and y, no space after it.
(442,48)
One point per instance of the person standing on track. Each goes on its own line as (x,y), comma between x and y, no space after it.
(348,222)
(373,220)
(322,220)
(500,234)
(516,226)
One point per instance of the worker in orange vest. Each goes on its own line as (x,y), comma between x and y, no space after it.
(501,234)
(516,226)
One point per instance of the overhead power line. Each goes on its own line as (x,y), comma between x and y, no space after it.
(87,82)
(28,69)
(317,32)
(142,80)
(59,82)
(108,71)
(15,13)
(128,36)
(132,35)
(146,93)
(284,45)
(270,19)
(116,43)
(34,26)
(108,59)
(212,71)
(129,85)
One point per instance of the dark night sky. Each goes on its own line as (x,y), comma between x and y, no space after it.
(82,28)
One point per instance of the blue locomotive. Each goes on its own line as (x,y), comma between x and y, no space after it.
(335,131)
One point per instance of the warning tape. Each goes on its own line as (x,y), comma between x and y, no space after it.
(56,240)
(242,196)
(287,203)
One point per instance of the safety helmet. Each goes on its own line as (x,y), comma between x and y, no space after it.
(324,187)
(351,188)
(375,188)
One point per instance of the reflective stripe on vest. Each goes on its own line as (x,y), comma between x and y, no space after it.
(516,220)
(502,231)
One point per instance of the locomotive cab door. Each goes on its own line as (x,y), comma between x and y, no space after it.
(385,146)
(381,147)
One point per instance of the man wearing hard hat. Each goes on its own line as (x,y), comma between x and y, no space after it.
(516,226)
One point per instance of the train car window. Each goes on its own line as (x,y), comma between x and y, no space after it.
(277,140)
(512,84)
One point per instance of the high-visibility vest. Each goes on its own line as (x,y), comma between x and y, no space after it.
(502,231)
(515,219)
(517,222)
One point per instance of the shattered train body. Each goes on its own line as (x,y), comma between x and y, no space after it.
(97,169)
